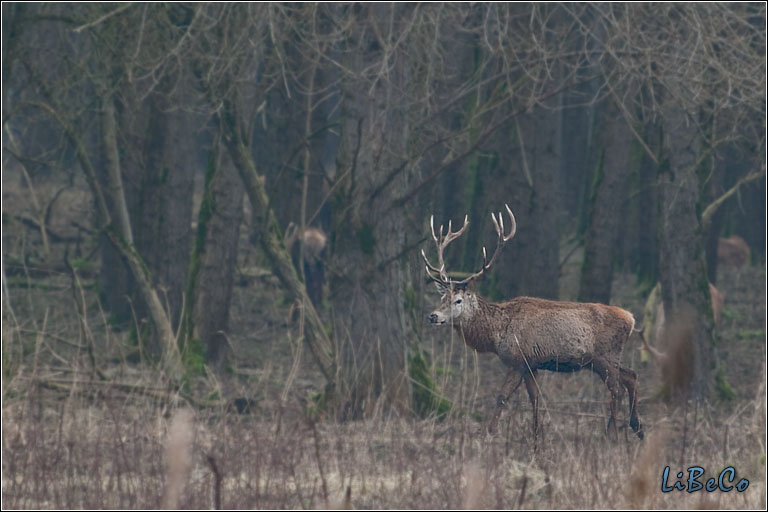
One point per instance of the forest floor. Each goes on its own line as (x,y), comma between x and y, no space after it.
(72,439)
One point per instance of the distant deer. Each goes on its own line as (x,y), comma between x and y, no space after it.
(654,318)
(733,251)
(531,334)
(314,241)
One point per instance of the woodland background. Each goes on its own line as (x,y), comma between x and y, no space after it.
(223,206)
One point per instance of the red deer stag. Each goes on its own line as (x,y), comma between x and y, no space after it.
(530,334)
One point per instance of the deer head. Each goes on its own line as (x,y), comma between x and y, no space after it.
(458,303)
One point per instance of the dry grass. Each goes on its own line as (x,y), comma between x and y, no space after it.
(116,451)
(100,444)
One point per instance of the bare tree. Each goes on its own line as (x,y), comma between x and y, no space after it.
(606,204)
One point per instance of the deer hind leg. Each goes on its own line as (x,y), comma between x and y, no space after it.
(511,383)
(533,395)
(629,379)
(611,376)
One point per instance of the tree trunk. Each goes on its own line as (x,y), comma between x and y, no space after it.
(642,249)
(606,205)
(682,264)
(157,165)
(121,235)
(369,316)
(543,139)
(215,255)
(164,203)
(577,138)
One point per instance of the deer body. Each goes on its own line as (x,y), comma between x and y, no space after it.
(544,333)
(530,334)
(314,242)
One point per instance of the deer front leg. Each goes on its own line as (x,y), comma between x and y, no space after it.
(511,383)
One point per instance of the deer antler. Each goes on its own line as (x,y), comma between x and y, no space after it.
(498,224)
(443,240)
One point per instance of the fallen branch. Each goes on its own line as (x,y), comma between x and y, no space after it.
(70,385)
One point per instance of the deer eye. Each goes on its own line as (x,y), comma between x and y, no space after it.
(458,301)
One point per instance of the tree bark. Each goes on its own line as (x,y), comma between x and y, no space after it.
(215,255)
(606,205)
(369,317)
(121,235)
(643,247)
(682,264)
(543,265)
(577,139)
(164,204)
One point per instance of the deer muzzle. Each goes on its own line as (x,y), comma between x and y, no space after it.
(436,318)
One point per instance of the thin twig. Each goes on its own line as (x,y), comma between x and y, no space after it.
(102,18)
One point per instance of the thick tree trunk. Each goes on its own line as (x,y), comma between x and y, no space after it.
(606,204)
(577,139)
(369,316)
(682,264)
(642,248)
(157,164)
(528,180)
(215,255)
(116,283)
(164,204)
(543,266)
(121,235)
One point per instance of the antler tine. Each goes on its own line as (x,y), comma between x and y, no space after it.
(450,236)
(437,279)
(442,242)
(513,229)
(432,227)
(499,229)
(429,265)
(498,224)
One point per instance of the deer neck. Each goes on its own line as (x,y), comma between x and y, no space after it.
(481,328)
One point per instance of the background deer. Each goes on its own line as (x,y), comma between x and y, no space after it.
(733,251)
(314,241)
(654,319)
(530,334)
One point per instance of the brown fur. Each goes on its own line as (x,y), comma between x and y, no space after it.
(314,241)
(530,334)
(733,251)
